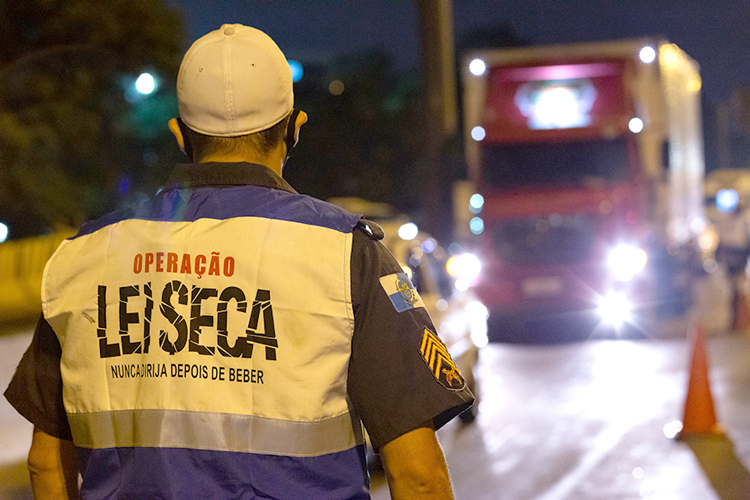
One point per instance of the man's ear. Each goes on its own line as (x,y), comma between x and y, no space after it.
(174,127)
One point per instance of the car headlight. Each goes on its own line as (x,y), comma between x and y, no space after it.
(625,261)
(615,309)
(464,268)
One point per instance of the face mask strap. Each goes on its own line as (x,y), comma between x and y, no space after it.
(188,149)
(290,137)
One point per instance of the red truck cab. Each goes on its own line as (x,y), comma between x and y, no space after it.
(590,207)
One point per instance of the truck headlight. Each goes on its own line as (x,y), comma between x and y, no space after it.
(625,261)
(615,309)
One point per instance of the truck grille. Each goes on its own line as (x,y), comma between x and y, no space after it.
(553,239)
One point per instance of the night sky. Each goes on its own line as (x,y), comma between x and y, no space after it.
(714,32)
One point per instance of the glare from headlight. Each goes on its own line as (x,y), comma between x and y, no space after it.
(478,315)
(464,268)
(464,265)
(408,231)
(615,309)
(625,261)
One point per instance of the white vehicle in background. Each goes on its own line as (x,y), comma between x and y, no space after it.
(460,319)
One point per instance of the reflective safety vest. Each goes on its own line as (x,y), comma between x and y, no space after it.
(205,339)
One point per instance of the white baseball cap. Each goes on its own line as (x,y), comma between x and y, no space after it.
(234,81)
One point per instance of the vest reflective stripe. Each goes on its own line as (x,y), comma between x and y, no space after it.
(214,431)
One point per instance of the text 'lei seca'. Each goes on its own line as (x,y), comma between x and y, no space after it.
(186,332)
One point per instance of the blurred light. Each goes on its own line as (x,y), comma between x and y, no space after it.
(638,473)
(478,315)
(672,429)
(614,309)
(145,84)
(476,225)
(124,186)
(694,83)
(635,125)
(454,248)
(464,266)
(407,271)
(698,224)
(647,54)
(477,67)
(441,305)
(708,240)
(625,261)
(416,256)
(428,246)
(150,157)
(478,133)
(336,87)
(556,104)
(3,232)
(710,266)
(476,202)
(669,54)
(296,68)
(727,200)
(408,231)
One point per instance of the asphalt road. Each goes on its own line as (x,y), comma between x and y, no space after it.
(589,421)
(565,422)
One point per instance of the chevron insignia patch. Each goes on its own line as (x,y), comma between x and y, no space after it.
(440,362)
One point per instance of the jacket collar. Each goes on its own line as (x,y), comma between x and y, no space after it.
(213,174)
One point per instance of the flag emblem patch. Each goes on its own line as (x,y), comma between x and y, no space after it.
(401,291)
(439,361)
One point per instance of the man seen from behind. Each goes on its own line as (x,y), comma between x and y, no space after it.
(228,338)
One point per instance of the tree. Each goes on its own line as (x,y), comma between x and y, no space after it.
(364,140)
(65,120)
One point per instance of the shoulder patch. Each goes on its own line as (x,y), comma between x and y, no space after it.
(372,230)
(401,291)
(440,363)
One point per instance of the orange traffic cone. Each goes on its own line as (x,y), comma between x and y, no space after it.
(700,416)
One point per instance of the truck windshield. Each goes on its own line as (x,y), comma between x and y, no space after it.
(543,163)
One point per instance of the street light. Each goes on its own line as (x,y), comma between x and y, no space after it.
(145,84)
(296,68)
(139,88)
(3,232)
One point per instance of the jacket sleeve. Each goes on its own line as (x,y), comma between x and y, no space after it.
(35,390)
(400,374)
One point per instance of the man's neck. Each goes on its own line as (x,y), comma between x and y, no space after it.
(273,160)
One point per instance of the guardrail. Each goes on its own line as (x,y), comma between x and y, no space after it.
(21,267)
